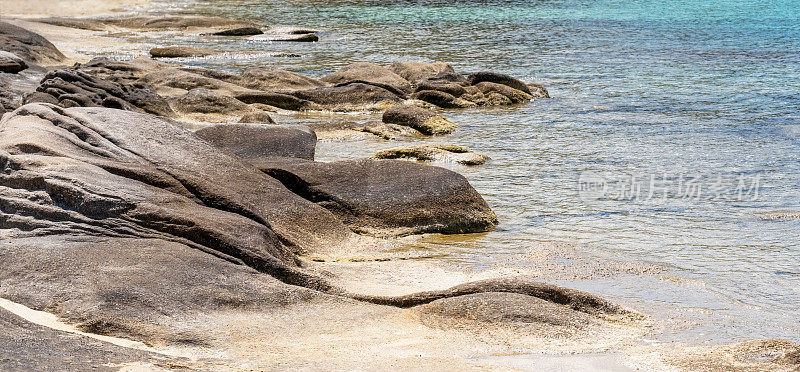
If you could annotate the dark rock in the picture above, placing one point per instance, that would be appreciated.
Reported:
(454, 89)
(494, 77)
(280, 100)
(350, 96)
(10, 63)
(28, 45)
(442, 99)
(538, 91)
(389, 131)
(275, 80)
(448, 77)
(368, 72)
(443, 153)
(242, 31)
(370, 198)
(260, 141)
(181, 51)
(302, 38)
(514, 95)
(423, 120)
(167, 22)
(73, 88)
(257, 117)
(415, 72)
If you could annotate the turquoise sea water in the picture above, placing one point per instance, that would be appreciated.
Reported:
(676, 90)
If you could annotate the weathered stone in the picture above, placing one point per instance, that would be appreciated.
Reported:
(79, 23)
(514, 95)
(275, 80)
(443, 153)
(350, 96)
(442, 99)
(415, 72)
(204, 101)
(259, 141)
(167, 22)
(280, 100)
(390, 131)
(257, 117)
(175, 82)
(368, 72)
(494, 77)
(181, 51)
(370, 198)
(454, 89)
(121, 71)
(28, 45)
(301, 38)
(73, 88)
(538, 91)
(10, 63)
(423, 120)
(241, 31)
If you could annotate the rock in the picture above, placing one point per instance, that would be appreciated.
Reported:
(538, 91)
(370, 198)
(446, 153)
(423, 120)
(257, 117)
(442, 99)
(28, 45)
(280, 100)
(493, 77)
(181, 51)
(10, 63)
(496, 99)
(454, 89)
(204, 101)
(79, 23)
(753, 355)
(71, 88)
(167, 22)
(415, 72)
(307, 38)
(448, 77)
(121, 71)
(368, 72)
(275, 80)
(175, 82)
(390, 131)
(514, 95)
(260, 141)
(353, 96)
(241, 31)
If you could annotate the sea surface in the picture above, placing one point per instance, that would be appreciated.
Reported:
(672, 133)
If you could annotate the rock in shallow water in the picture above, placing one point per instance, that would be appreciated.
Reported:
(446, 153)
(421, 119)
(181, 51)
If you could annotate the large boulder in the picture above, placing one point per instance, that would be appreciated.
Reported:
(415, 72)
(389, 197)
(10, 63)
(276, 80)
(368, 72)
(72, 88)
(442, 99)
(421, 119)
(250, 141)
(493, 77)
(353, 96)
(28, 45)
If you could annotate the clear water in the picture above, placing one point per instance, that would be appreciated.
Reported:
(678, 88)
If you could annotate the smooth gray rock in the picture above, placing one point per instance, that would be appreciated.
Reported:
(250, 141)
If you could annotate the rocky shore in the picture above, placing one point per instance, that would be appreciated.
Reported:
(151, 201)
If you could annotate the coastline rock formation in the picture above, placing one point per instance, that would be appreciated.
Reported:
(28, 45)
(423, 120)
(10, 63)
(445, 153)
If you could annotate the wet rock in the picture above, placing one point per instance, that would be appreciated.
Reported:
(514, 95)
(538, 91)
(10, 63)
(353, 96)
(204, 101)
(275, 80)
(71, 88)
(28, 45)
(494, 77)
(423, 120)
(301, 38)
(257, 117)
(181, 51)
(389, 131)
(454, 89)
(168, 22)
(442, 99)
(279, 100)
(368, 72)
(415, 72)
(250, 141)
(370, 198)
(443, 153)
(241, 31)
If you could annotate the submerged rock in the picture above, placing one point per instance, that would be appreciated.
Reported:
(423, 120)
(181, 51)
(261, 141)
(10, 63)
(389, 197)
(28, 45)
(447, 153)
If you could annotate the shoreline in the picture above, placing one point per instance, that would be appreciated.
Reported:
(74, 46)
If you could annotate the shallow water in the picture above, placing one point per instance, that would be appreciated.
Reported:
(667, 91)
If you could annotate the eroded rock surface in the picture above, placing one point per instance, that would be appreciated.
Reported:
(444, 153)
(28, 45)
(262, 141)
(421, 119)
